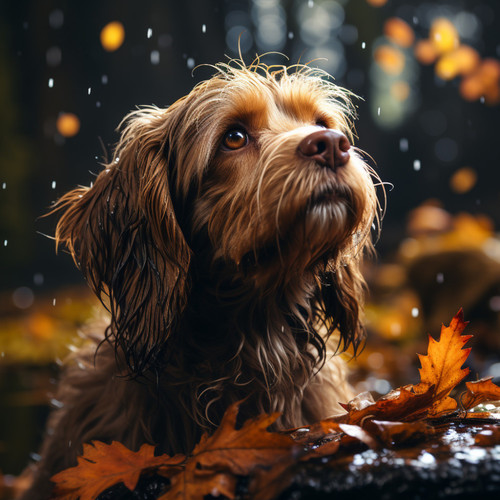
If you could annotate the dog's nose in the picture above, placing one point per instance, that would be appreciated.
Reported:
(329, 148)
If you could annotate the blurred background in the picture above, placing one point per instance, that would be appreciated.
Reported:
(427, 75)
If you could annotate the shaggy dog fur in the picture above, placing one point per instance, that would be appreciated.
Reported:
(225, 239)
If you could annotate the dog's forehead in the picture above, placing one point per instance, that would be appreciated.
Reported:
(258, 100)
(265, 100)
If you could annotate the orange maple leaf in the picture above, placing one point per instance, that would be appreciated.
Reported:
(218, 459)
(442, 366)
(104, 465)
(441, 371)
(478, 392)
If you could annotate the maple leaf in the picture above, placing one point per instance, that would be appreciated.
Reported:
(479, 392)
(400, 404)
(442, 366)
(489, 436)
(230, 452)
(104, 465)
(397, 433)
(441, 371)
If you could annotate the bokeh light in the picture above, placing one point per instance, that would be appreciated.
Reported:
(68, 124)
(377, 3)
(444, 35)
(425, 52)
(112, 36)
(463, 180)
(399, 32)
(390, 59)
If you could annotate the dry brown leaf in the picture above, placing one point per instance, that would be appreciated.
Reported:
(479, 392)
(397, 433)
(230, 452)
(104, 465)
(489, 436)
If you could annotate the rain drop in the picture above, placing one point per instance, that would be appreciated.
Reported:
(104, 79)
(417, 165)
(363, 45)
(403, 145)
(155, 57)
(51, 83)
(190, 63)
(204, 28)
(378, 111)
(415, 312)
(290, 35)
(5, 243)
(4, 185)
(53, 184)
(150, 33)
(440, 277)
(89, 91)
(310, 3)
(54, 302)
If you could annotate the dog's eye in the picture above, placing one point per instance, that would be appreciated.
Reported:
(321, 123)
(235, 139)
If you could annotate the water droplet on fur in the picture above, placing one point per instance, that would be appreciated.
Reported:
(56, 403)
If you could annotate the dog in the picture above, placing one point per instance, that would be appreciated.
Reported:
(225, 238)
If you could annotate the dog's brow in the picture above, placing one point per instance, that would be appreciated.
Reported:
(253, 113)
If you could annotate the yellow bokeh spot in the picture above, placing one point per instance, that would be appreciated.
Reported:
(68, 124)
(377, 3)
(463, 180)
(447, 67)
(112, 36)
(390, 59)
(468, 59)
(399, 32)
(425, 52)
(444, 35)
(400, 91)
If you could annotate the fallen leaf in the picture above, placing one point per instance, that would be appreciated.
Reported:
(399, 405)
(442, 366)
(398, 433)
(230, 452)
(489, 436)
(479, 392)
(103, 465)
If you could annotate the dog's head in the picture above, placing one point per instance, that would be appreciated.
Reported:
(253, 173)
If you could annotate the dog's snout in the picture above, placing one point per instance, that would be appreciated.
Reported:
(328, 148)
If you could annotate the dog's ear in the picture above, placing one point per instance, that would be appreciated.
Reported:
(123, 234)
(340, 297)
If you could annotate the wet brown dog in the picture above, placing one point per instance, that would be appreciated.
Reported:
(225, 238)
